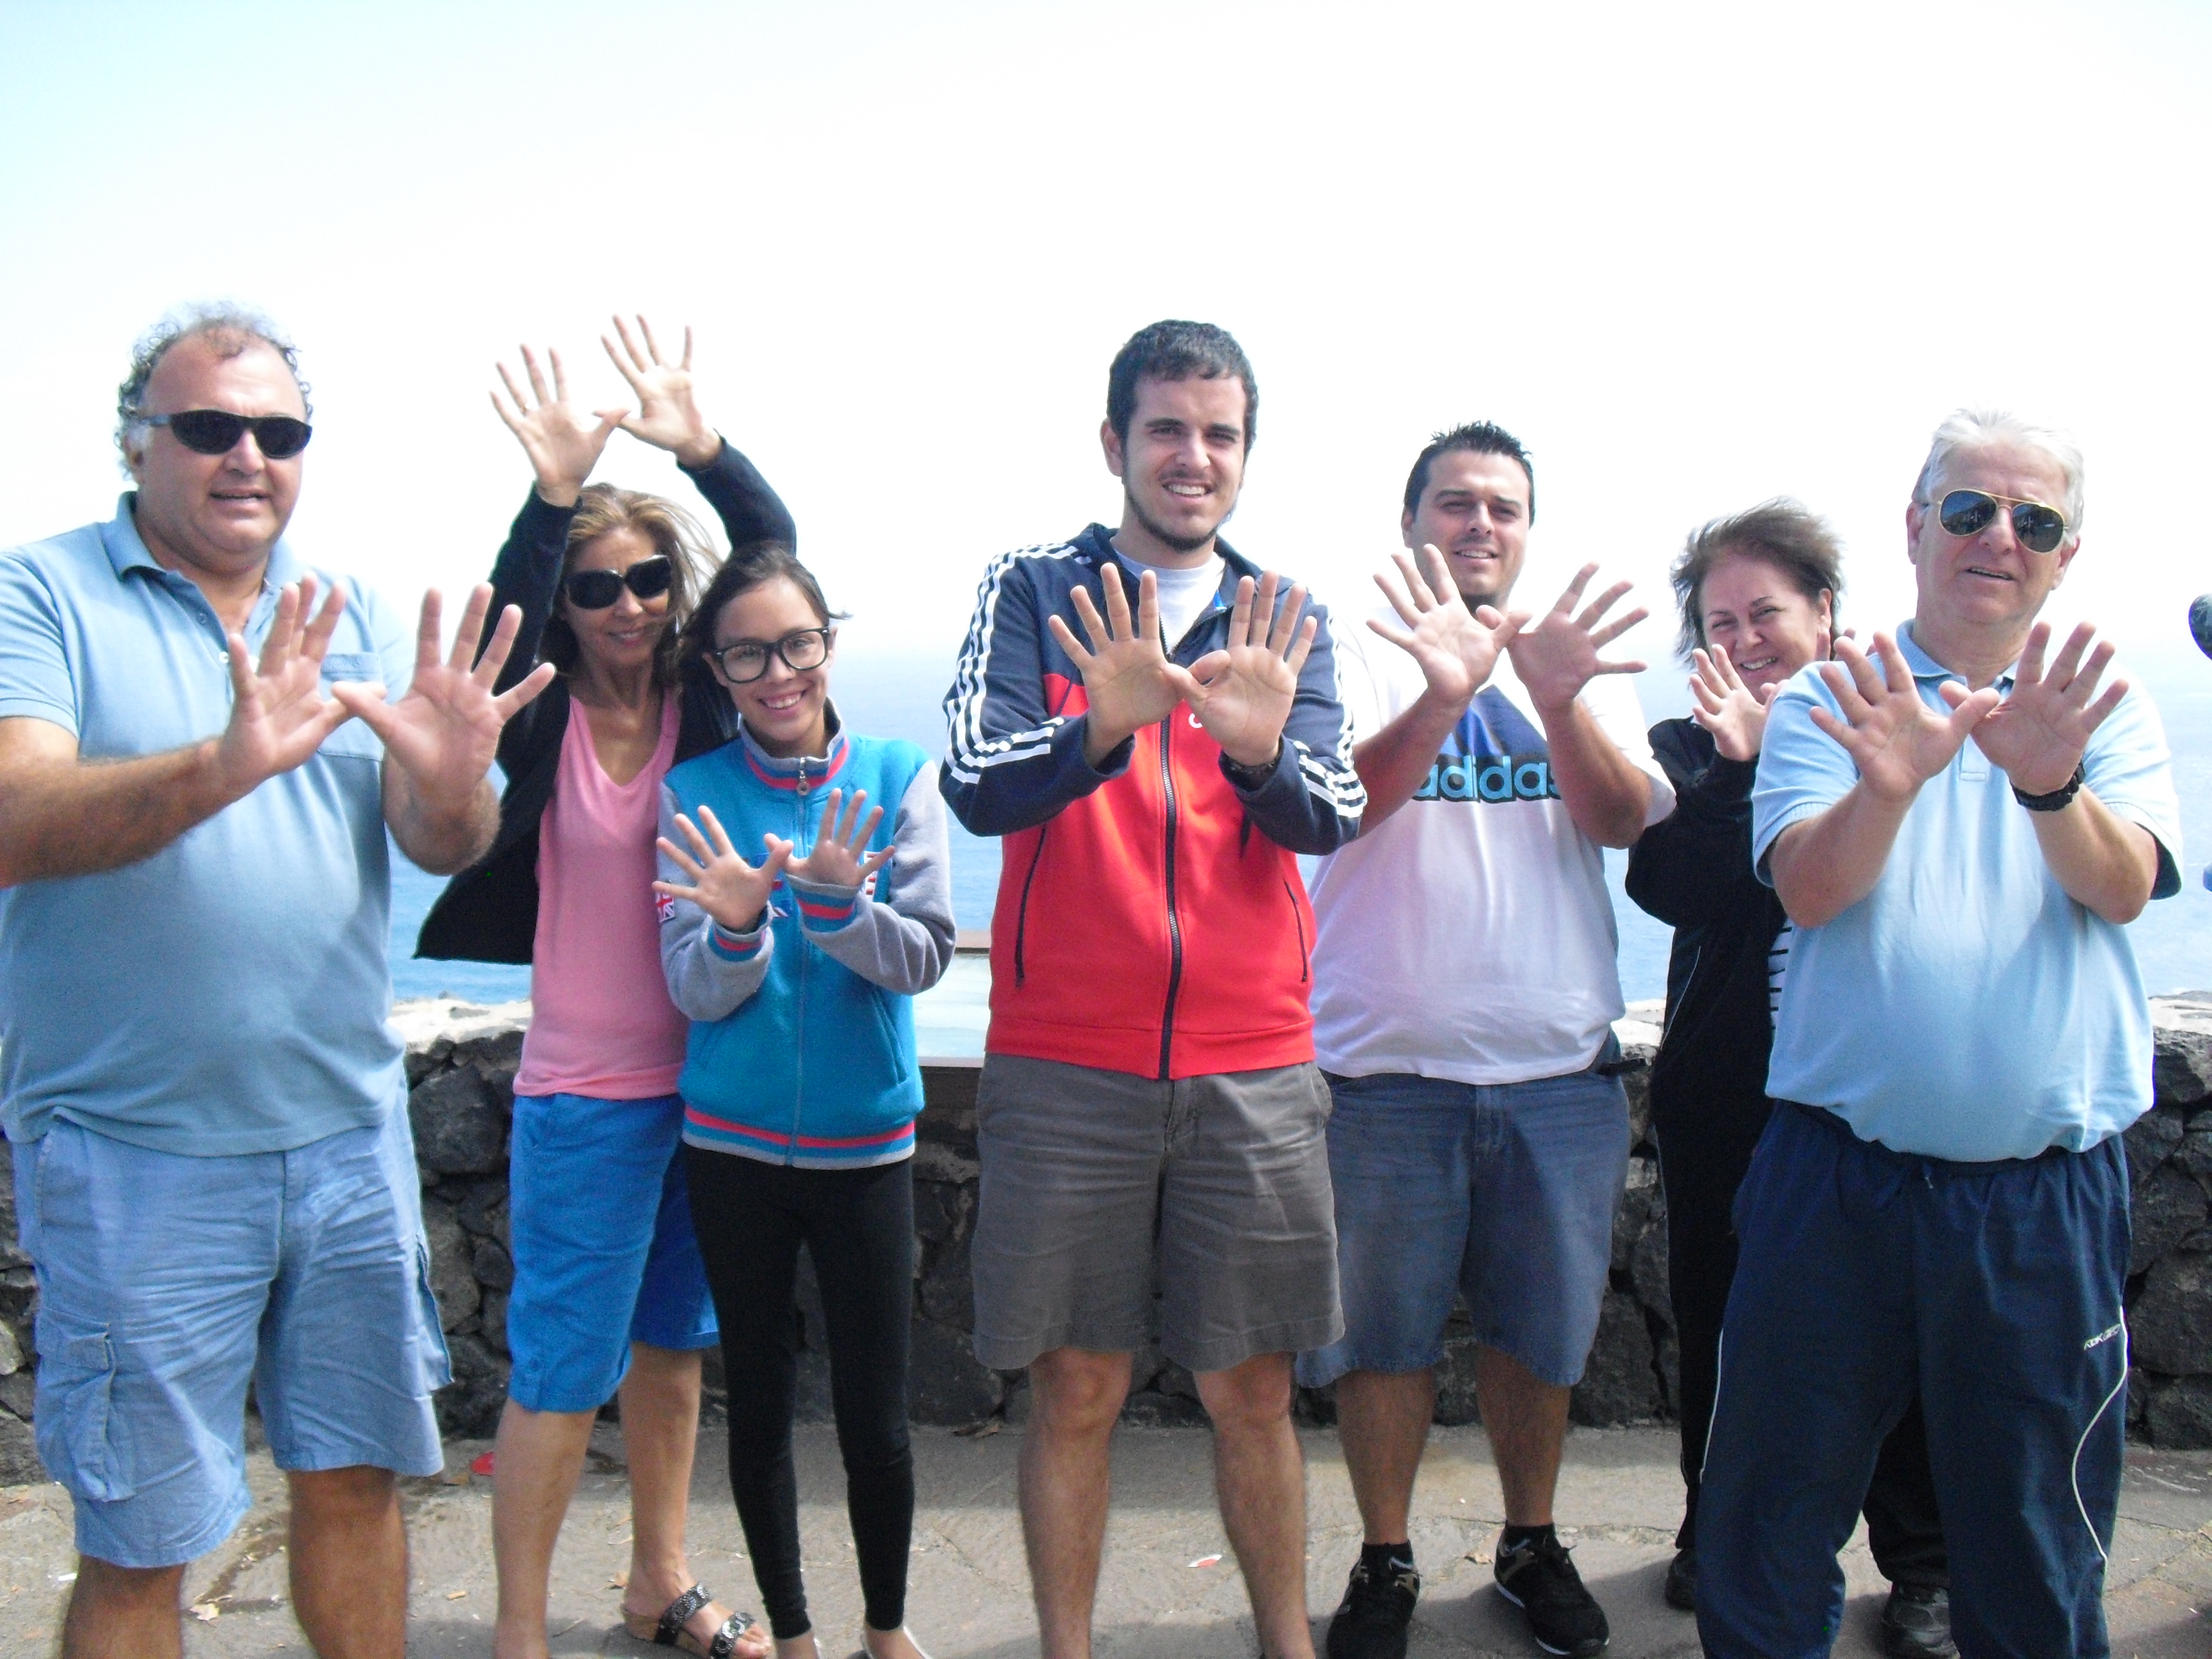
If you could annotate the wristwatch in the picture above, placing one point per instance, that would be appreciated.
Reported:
(2056, 799)
(1248, 778)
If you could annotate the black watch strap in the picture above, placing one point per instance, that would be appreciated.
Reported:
(2056, 799)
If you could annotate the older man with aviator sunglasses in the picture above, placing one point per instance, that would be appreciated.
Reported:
(1959, 823)
(206, 1108)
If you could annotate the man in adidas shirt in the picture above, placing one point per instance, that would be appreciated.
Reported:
(1464, 996)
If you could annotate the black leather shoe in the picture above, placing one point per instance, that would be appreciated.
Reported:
(1539, 1578)
(1915, 1623)
(1682, 1587)
(1372, 1622)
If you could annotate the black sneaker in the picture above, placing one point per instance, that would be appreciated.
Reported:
(1540, 1580)
(1371, 1624)
(1915, 1623)
(1681, 1588)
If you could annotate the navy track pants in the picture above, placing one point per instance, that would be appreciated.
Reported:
(1994, 1288)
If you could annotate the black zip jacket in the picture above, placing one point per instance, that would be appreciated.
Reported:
(1692, 871)
(489, 913)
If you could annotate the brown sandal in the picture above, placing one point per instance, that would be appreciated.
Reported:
(670, 1632)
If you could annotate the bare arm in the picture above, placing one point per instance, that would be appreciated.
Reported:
(1395, 761)
(2104, 863)
(1606, 793)
(67, 816)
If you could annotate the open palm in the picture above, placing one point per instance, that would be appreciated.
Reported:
(2037, 734)
(1456, 649)
(1242, 695)
(668, 416)
(1897, 741)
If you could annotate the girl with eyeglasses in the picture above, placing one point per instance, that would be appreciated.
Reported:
(609, 1291)
(808, 875)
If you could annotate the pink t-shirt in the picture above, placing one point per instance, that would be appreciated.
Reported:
(601, 1023)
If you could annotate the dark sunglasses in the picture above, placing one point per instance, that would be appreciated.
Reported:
(595, 590)
(1966, 512)
(747, 660)
(216, 431)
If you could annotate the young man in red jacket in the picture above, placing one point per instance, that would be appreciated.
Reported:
(1149, 1108)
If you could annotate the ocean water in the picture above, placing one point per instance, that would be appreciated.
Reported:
(2172, 940)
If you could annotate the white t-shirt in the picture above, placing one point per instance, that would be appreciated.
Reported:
(1469, 935)
(1182, 594)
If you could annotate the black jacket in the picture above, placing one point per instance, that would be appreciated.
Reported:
(1692, 871)
(489, 913)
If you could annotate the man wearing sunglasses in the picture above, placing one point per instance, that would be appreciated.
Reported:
(1959, 822)
(206, 1108)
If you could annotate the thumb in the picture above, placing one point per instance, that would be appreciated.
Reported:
(609, 420)
(365, 700)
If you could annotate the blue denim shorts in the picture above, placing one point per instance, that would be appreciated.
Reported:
(166, 1282)
(1504, 1193)
(600, 1218)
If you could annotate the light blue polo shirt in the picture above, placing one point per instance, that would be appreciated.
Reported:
(229, 993)
(1966, 1008)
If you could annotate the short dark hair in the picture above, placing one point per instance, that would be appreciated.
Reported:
(231, 329)
(754, 565)
(1784, 533)
(1479, 437)
(1175, 351)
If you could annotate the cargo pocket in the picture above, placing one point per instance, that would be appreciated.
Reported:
(80, 1440)
(435, 1364)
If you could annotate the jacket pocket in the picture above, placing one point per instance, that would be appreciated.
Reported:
(1022, 913)
(82, 1443)
(1299, 922)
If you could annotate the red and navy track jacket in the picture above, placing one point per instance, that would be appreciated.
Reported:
(1151, 916)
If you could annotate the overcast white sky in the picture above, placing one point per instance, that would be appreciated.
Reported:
(1696, 255)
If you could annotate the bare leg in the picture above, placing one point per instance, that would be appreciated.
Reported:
(1382, 1420)
(535, 1463)
(1526, 1421)
(1075, 1398)
(349, 1551)
(123, 1613)
(1260, 1477)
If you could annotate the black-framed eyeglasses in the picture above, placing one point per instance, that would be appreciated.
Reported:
(216, 431)
(1966, 512)
(747, 660)
(595, 590)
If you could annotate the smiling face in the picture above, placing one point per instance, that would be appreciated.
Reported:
(1181, 468)
(1474, 509)
(1749, 607)
(786, 709)
(621, 638)
(215, 516)
(1986, 585)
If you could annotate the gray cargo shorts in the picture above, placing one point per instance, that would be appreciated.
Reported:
(1098, 1186)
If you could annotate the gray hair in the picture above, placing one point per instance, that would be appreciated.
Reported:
(1980, 428)
(230, 327)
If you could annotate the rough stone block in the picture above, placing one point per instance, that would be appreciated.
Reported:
(493, 1267)
(1647, 1265)
(468, 1405)
(942, 1209)
(1456, 1404)
(2192, 1155)
(453, 1274)
(484, 1212)
(12, 1358)
(1620, 1384)
(948, 1112)
(948, 1288)
(19, 1453)
(2150, 1140)
(495, 1056)
(11, 1253)
(1176, 1379)
(2168, 1208)
(1151, 1410)
(491, 1320)
(946, 1385)
(1634, 1209)
(2170, 1326)
(2179, 1414)
(2181, 1049)
(19, 1393)
(943, 1161)
(460, 1128)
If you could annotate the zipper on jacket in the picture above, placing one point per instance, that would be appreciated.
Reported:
(1298, 922)
(1175, 927)
(1022, 916)
(799, 803)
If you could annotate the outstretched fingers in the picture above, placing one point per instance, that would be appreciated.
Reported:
(1287, 619)
(510, 702)
(1565, 604)
(1302, 647)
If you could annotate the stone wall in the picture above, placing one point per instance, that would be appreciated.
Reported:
(460, 1070)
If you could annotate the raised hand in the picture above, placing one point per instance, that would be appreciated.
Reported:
(1128, 677)
(668, 415)
(1558, 656)
(278, 715)
(562, 441)
(2037, 734)
(1897, 741)
(1456, 648)
(444, 734)
(1242, 696)
(841, 856)
(1726, 706)
(716, 879)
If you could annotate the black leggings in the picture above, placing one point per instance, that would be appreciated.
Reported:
(858, 1226)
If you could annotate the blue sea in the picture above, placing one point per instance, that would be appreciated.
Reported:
(2172, 940)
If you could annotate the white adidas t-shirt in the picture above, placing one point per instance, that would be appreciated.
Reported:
(1469, 935)
(1183, 594)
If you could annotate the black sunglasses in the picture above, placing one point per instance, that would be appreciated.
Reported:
(595, 590)
(1965, 512)
(216, 431)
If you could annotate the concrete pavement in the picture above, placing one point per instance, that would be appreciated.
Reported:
(1169, 1591)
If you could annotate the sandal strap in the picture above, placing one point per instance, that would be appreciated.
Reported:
(677, 1613)
(725, 1639)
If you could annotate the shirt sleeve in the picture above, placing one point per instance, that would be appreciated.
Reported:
(1802, 771)
(900, 935)
(2128, 767)
(36, 680)
(1611, 699)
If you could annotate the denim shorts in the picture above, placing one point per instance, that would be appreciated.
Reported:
(1504, 1193)
(600, 1216)
(167, 1282)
